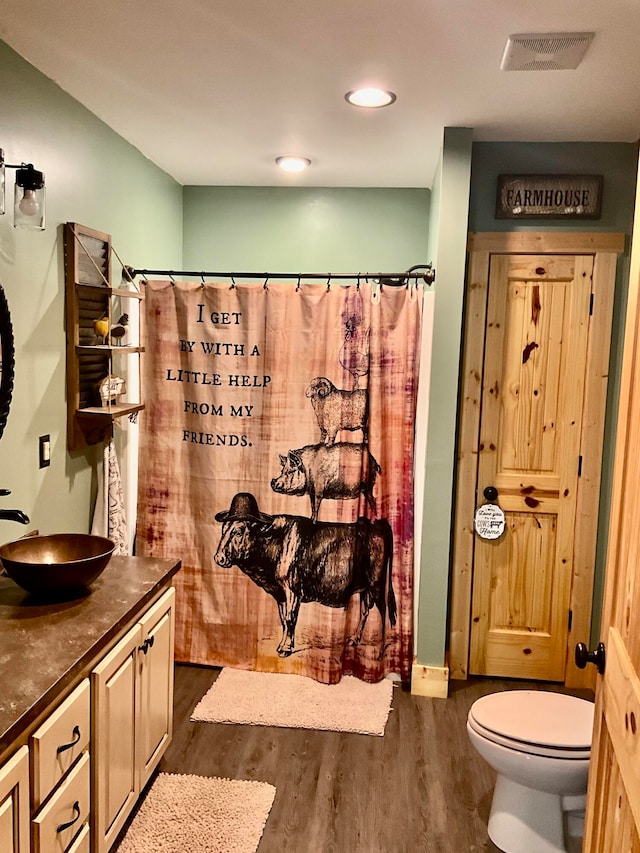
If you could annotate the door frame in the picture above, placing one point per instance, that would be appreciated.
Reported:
(605, 248)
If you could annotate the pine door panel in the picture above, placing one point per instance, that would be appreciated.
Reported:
(613, 807)
(532, 400)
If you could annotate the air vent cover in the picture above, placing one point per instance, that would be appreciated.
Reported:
(545, 51)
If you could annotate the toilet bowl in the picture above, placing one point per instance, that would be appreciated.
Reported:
(539, 744)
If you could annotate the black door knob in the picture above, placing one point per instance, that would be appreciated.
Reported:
(490, 493)
(597, 656)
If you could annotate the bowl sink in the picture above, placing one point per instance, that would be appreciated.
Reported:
(58, 563)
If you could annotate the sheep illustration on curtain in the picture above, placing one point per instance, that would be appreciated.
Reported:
(322, 530)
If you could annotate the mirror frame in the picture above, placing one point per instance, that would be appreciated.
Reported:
(7, 360)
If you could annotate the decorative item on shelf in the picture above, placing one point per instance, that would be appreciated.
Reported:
(29, 195)
(101, 328)
(119, 331)
(111, 389)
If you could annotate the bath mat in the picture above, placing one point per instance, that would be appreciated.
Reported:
(199, 814)
(293, 701)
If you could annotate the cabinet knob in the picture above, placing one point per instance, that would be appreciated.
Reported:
(146, 645)
(597, 656)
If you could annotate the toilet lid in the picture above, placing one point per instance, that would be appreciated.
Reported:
(536, 717)
(529, 748)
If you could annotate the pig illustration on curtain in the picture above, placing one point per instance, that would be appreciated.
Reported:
(336, 472)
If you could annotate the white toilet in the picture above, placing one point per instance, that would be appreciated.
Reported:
(539, 744)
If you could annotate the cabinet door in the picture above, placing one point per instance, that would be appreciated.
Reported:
(113, 687)
(14, 803)
(155, 721)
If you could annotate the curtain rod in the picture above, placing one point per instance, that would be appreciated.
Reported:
(397, 279)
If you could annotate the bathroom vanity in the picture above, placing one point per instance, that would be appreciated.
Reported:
(86, 706)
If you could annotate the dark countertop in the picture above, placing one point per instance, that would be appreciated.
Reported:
(44, 646)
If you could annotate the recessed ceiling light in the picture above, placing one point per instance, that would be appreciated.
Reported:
(370, 97)
(293, 164)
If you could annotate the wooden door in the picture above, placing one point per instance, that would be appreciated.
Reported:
(613, 807)
(530, 432)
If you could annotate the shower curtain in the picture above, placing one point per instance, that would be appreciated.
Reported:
(276, 461)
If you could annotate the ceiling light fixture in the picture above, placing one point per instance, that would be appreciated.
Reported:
(29, 198)
(370, 97)
(293, 164)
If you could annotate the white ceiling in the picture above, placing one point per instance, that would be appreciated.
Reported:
(213, 90)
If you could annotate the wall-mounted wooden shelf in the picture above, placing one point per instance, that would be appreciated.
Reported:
(89, 297)
(106, 348)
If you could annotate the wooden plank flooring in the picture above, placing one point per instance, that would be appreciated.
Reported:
(421, 787)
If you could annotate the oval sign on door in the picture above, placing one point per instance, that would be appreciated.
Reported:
(489, 521)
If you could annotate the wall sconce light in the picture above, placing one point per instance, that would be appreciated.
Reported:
(29, 196)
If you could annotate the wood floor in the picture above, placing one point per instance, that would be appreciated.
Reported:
(421, 787)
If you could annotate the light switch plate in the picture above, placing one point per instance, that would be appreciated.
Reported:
(44, 455)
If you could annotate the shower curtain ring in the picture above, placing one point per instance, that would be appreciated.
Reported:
(358, 283)
(173, 281)
(202, 277)
(233, 283)
(329, 283)
(298, 284)
(264, 286)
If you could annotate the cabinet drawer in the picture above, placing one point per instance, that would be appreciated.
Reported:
(62, 818)
(56, 745)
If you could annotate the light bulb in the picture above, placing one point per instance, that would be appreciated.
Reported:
(293, 164)
(29, 204)
(370, 97)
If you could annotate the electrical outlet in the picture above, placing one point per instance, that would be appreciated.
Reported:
(45, 451)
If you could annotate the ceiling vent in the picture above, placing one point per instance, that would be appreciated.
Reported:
(545, 51)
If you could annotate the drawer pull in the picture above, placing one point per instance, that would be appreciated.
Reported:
(76, 809)
(147, 644)
(72, 743)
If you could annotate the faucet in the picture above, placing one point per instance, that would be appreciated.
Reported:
(12, 514)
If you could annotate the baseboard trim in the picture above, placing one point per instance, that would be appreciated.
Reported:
(430, 681)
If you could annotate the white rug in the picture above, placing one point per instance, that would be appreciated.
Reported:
(199, 814)
(293, 701)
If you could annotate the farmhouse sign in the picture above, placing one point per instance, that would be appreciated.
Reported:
(549, 196)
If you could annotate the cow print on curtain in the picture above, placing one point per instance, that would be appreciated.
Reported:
(277, 462)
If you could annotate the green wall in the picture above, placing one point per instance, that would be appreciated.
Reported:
(93, 177)
(448, 244)
(295, 229)
(617, 162)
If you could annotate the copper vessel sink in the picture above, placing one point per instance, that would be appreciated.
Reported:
(59, 563)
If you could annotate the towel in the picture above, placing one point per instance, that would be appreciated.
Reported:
(109, 517)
